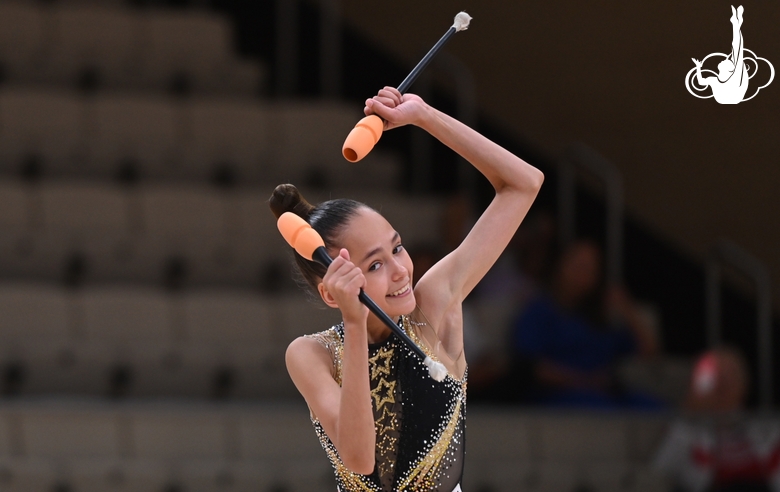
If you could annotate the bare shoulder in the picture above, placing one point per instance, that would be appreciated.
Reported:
(315, 360)
(307, 351)
(314, 373)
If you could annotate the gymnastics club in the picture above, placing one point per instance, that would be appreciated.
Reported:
(366, 133)
(308, 243)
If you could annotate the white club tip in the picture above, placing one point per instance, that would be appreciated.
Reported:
(436, 369)
(462, 21)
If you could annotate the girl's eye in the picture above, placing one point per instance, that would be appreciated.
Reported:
(398, 249)
(374, 266)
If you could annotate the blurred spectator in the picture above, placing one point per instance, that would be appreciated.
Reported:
(569, 341)
(719, 449)
(508, 286)
(521, 269)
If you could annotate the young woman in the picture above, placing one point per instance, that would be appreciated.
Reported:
(383, 422)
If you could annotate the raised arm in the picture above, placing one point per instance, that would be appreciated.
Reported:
(737, 43)
(515, 181)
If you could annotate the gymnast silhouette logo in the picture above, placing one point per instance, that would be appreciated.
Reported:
(730, 84)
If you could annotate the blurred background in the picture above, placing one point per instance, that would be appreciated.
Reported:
(624, 341)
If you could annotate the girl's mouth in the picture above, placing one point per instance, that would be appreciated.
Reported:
(401, 292)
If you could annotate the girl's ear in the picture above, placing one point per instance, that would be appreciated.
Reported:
(326, 297)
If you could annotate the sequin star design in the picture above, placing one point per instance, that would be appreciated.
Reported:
(389, 393)
(384, 367)
(386, 467)
(387, 421)
(386, 445)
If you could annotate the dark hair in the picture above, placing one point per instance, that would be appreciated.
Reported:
(328, 219)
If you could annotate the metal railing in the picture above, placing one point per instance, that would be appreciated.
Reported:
(579, 156)
(726, 252)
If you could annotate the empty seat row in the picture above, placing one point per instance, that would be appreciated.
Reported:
(125, 341)
(170, 431)
(61, 134)
(104, 232)
(216, 448)
(159, 447)
(95, 46)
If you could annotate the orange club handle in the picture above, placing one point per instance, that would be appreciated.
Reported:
(362, 138)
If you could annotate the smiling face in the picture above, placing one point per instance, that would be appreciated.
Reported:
(375, 247)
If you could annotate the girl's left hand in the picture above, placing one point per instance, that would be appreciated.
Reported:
(395, 108)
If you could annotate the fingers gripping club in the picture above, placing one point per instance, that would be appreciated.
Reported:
(367, 132)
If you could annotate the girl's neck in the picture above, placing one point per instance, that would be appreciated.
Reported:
(377, 331)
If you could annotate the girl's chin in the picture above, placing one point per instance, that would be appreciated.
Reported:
(396, 306)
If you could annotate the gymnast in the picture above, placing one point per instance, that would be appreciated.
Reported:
(383, 422)
(731, 84)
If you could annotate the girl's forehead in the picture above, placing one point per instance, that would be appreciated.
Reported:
(367, 229)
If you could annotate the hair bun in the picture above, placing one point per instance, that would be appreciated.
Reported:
(287, 198)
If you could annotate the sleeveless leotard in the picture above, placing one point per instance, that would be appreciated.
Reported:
(420, 423)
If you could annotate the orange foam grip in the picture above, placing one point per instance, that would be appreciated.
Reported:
(308, 240)
(299, 234)
(362, 138)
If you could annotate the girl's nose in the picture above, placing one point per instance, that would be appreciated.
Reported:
(399, 270)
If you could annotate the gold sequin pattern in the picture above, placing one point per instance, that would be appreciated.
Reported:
(434, 461)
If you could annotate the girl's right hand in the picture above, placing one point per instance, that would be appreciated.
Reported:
(343, 281)
(396, 109)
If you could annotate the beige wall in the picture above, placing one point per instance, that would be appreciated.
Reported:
(611, 74)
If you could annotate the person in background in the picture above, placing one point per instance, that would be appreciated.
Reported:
(717, 448)
(514, 280)
(571, 337)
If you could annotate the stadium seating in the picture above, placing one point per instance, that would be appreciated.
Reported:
(148, 446)
(62, 135)
(121, 340)
(106, 47)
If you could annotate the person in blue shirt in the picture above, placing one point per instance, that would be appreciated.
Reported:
(565, 338)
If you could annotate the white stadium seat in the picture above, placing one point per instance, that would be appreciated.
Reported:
(233, 133)
(36, 330)
(169, 435)
(286, 426)
(21, 39)
(56, 432)
(228, 331)
(143, 131)
(44, 125)
(14, 206)
(135, 329)
(21, 475)
(84, 208)
(191, 42)
(98, 38)
(308, 139)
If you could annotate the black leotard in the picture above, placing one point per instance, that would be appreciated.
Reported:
(420, 423)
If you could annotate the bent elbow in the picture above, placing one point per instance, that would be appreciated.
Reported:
(362, 464)
(538, 180)
(533, 182)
